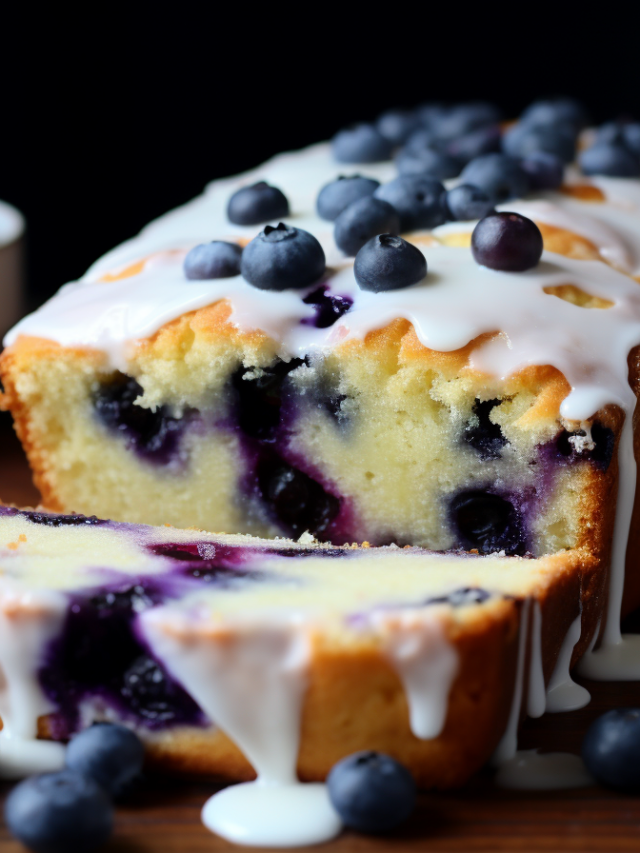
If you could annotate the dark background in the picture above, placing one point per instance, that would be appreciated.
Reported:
(109, 118)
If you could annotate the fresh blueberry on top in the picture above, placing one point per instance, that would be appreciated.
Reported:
(483, 140)
(256, 204)
(465, 202)
(555, 110)
(631, 137)
(622, 133)
(544, 170)
(610, 159)
(463, 118)
(213, 260)
(362, 143)
(524, 139)
(361, 221)
(59, 813)
(417, 198)
(333, 198)
(611, 749)
(499, 175)
(422, 138)
(110, 754)
(430, 112)
(427, 161)
(371, 792)
(397, 125)
(281, 258)
(387, 262)
(507, 241)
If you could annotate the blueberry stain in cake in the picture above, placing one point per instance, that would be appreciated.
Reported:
(329, 307)
(485, 436)
(49, 519)
(98, 645)
(154, 435)
(487, 523)
(598, 447)
(256, 204)
(258, 398)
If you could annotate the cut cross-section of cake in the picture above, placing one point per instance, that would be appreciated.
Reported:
(231, 655)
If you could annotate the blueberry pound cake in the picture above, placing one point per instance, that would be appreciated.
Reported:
(229, 654)
(424, 332)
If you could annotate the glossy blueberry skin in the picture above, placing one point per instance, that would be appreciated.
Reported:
(555, 110)
(483, 140)
(609, 159)
(397, 125)
(64, 812)
(217, 259)
(387, 262)
(110, 754)
(507, 241)
(371, 792)
(362, 143)
(487, 522)
(417, 198)
(465, 202)
(283, 257)
(335, 197)
(361, 221)
(611, 749)
(499, 175)
(544, 170)
(427, 161)
(257, 204)
(524, 139)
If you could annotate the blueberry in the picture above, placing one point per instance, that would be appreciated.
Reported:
(49, 519)
(483, 140)
(371, 792)
(112, 755)
(213, 260)
(59, 813)
(555, 110)
(524, 139)
(362, 143)
(499, 175)
(427, 161)
(259, 398)
(297, 501)
(422, 138)
(397, 125)
(631, 137)
(609, 159)
(430, 113)
(485, 437)
(465, 202)
(611, 749)
(487, 523)
(507, 241)
(544, 170)
(335, 197)
(622, 133)
(609, 132)
(329, 306)
(417, 198)
(283, 257)
(387, 262)
(361, 221)
(463, 118)
(256, 204)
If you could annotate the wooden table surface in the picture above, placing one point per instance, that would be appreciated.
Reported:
(163, 817)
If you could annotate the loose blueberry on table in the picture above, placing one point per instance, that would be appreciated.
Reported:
(387, 262)
(507, 241)
(110, 754)
(371, 792)
(283, 257)
(611, 749)
(257, 204)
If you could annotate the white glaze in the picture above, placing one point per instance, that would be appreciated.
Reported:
(536, 694)
(530, 770)
(416, 644)
(28, 621)
(508, 745)
(563, 694)
(251, 680)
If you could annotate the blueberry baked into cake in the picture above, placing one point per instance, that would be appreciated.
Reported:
(416, 344)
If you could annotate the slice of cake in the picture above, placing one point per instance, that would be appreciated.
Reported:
(267, 383)
(230, 655)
